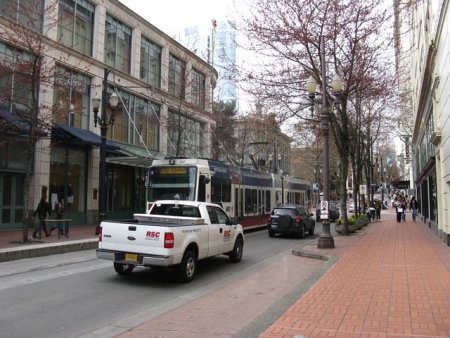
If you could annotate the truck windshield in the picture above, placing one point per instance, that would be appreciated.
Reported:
(172, 183)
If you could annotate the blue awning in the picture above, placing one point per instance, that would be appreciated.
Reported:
(81, 136)
(15, 122)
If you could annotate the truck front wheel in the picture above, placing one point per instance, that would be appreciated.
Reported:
(236, 254)
(186, 270)
(123, 269)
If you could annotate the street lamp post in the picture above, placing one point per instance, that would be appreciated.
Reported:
(326, 238)
(104, 121)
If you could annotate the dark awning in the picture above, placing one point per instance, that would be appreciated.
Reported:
(79, 136)
(16, 124)
(133, 156)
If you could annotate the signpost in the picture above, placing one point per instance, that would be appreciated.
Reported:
(324, 210)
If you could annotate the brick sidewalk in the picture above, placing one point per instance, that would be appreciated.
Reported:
(391, 280)
(395, 282)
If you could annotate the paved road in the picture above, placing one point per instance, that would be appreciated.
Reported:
(75, 294)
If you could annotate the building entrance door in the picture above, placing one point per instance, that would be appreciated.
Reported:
(11, 200)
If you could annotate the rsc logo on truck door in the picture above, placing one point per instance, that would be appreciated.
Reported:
(227, 235)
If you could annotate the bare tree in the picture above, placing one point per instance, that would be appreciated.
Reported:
(288, 34)
(186, 108)
(26, 73)
(224, 139)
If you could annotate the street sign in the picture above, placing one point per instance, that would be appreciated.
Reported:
(324, 210)
(363, 189)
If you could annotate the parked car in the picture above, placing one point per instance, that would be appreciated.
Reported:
(291, 220)
(333, 211)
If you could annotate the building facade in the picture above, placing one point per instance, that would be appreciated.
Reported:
(215, 41)
(428, 28)
(261, 144)
(165, 105)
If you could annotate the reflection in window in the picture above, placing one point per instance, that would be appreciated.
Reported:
(71, 98)
(76, 25)
(16, 95)
(198, 88)
(176, 76)
(136, 121)
(28, 13)
(184, 136)
(117, 44)
(150, 62)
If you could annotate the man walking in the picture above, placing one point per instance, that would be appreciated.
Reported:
(43, 211)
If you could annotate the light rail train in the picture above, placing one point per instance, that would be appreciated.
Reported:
(245, 193)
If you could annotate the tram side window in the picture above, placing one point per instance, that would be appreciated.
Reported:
(268, 207)
(226, 192)
(220, 191)
(254, 201)
(248, 200)
(215, 190)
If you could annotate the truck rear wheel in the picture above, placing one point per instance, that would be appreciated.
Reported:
(123, 269)
(236, 254)
(186, 270)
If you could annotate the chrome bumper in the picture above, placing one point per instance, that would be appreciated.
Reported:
(144, 260)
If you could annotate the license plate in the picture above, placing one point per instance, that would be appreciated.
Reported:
(131, 257)
(274, 226)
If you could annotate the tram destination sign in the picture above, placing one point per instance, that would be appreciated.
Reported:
(173, 171)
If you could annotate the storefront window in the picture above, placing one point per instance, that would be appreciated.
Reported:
(71, 98)
(68, 178)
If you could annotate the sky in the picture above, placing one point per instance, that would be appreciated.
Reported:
(172, 15)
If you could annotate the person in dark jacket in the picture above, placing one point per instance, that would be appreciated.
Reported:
(43, 211)
(400, 206)
(414, 205)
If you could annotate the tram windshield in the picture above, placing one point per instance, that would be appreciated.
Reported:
(167, 183)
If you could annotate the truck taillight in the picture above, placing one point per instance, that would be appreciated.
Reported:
(298, 218)
(169, 240)
(100, 234)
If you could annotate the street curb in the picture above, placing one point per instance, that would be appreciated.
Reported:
(37, 250)
(308, 254)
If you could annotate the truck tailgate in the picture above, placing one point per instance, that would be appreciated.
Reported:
(133, 237)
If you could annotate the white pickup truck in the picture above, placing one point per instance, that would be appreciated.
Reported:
(173, 234)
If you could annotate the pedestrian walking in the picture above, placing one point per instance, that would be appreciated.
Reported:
(43, 211)
(378, 209)
(413, 206)
(400, 207)
(59, 210)
(405, 206)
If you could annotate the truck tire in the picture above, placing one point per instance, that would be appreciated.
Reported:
(236, 254)
(271, 233)
(123, 269)
(187, 267)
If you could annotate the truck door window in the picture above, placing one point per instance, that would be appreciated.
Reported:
(212, 215)
(222, 216)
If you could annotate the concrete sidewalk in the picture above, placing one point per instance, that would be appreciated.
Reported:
(81, 237)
